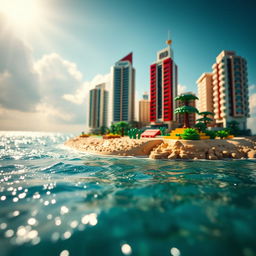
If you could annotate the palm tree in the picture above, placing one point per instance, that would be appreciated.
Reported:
(205, 119)
(121, 126)
(186, 109)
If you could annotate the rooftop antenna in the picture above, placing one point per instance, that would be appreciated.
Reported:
(169, 41)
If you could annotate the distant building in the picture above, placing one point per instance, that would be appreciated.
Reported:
(144, 107)
(205, 92)
(163, 88)
(123, 89)
(230, 89)
(205, 95)
(191, 116)
(98, 106)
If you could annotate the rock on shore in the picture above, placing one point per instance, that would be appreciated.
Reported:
(238, 148)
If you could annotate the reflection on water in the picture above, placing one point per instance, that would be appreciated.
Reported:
(55, 201)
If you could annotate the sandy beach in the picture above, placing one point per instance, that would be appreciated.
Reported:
(158, 148)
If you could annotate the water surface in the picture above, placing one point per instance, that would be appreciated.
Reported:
(56, 201)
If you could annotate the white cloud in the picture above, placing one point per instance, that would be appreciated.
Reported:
(252, 102)
(252, 88)
(18, 80)
(80, 95)
(34, 90)
(58, 77)
(181, 88)
(13, 120)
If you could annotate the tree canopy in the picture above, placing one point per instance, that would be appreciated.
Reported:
(185, 109)
(206, 113)
(186, 97)
(204, 119)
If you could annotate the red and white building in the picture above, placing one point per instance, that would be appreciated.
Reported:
(163, 88)
(225, 91)
(230, 89)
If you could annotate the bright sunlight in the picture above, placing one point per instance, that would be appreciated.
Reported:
(22, 14)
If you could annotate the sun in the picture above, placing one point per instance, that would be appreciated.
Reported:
(22, 14)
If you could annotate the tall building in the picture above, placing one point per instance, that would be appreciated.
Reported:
(98, 105)
(123, 75)
(163, 87)
(230, 89)
(191, 116)
(205, 95)
(205, 92)
(144, 107)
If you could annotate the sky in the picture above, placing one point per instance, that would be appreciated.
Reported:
(53, 51)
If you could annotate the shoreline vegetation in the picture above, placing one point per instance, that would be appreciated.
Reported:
(160, 148)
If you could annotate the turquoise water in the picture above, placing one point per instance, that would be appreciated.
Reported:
(56, 201)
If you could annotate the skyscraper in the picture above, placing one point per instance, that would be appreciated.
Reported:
(123, 75)
(98, 106)
(163, 87)
(230, 89)
(144, 107)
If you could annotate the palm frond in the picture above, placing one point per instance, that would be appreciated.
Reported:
(185, 109)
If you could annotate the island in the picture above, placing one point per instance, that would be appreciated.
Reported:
(161, 148)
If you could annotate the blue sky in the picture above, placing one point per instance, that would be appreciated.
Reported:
(107, 30)
(83, 39)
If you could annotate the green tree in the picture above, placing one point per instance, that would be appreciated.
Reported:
(121, 127)
(201, 126)
(233, 128)
(112, 129)
(205, 119)
(186, 109)
(103, 130)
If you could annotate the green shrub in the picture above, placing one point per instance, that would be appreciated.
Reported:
(201, 126)
(212, 134)
(163, 131)
(222, 134)
(134, 133)
(190, 134)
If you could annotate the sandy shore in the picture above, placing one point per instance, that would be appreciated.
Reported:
(158, 148)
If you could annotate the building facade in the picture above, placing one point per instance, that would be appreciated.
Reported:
(205, 93)
(163, 88)
(230, 89)
(144, 108)
(123, 89)
(98, 106)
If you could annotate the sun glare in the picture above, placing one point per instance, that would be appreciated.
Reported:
(23, 14)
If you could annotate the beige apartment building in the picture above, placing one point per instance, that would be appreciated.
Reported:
(144, 108)
(205, 92)
(229, 89)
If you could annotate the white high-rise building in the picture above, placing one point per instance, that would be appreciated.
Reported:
(123, 90)
(98, 105)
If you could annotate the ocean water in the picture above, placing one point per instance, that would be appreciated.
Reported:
(57, 201)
